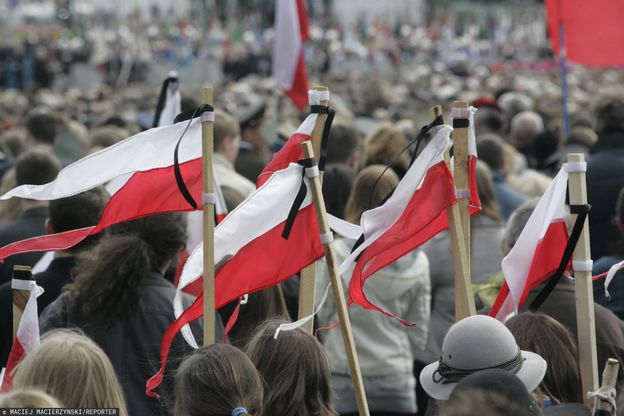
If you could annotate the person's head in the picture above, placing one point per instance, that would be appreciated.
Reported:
(513, 103)
(476, 343)
(382, 146)
(109, 282)
(28, 399)
(525, 127)
(78, 211)
(344, 146)
(609, 112)
(545, 336)
(214, 381)
(516, 223)
(582, 136)
(544, 147)
(337, 184)
(294, 370)
(490, 120)
(36, 167)
(485, 186)
(363, 197)
(490, 151)
(41, 129)
(103, 137)
(478, 402)
(72, 368)
(226, 135)
(231, 197)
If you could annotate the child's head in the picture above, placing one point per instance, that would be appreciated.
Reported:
(72, 368)
(217, 380)
(294, 370)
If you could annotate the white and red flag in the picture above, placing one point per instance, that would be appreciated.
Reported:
(250, 252)
(291, 31)
(538, 251)
(27, 335)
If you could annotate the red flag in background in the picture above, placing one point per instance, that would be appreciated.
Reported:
(593, 30)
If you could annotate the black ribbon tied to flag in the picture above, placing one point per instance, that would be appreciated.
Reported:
(162, 99)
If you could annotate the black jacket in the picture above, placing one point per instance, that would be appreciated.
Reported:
(605, 178)
(51, 280)
(133, 343)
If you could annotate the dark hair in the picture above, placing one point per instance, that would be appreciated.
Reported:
(478, 402)
(609, 111)
(231, 197)
(294, 370)
(343, 141)
(109, 283)
(36, 167)
(545, 336)
(492, 119)
(214, 380)
(42, 127)
(490, 151)
(78, 211)
(262, 305)
(337, 183)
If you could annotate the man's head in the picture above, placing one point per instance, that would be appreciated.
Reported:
(41, 130)
(490, 150)
(490, 120)
(36, 167)
(525, 126)
(516, 224)
(609, 113)
(226, 135)
(78, 211)
(344, 146)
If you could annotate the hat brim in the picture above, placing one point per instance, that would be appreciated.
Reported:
(531, 374)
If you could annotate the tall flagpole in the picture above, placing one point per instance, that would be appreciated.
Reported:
(563, 65)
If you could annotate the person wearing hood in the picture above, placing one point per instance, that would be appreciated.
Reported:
(384, 346)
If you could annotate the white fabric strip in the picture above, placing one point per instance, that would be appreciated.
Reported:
(461, 113)
(2, 376)
(207, 117)
(572, 167)
(582, 265)
(298, 324)
(327, 238)
(208, 199)
(315, 97)
(344, 228)
(610, 275)
(21, 284)
(312, 172)
(462, 193)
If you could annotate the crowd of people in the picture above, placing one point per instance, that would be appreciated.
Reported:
(108, 300)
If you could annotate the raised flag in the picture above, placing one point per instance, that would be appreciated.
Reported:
(169, 101)
(250, 252)
(27, 335)
(291, 31)
(538, 251)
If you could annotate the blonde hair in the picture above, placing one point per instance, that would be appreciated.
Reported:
(382, 146)
(363, 197)
(485, 185)
(28, 399)
(224, 126)
(74, 369)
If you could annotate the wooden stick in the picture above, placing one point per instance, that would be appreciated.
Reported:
(464, 302)
(336, 283)
(460, 175)
(209, 224)
(20, 296)
(307, 281)
(609, 379)
(586, 325)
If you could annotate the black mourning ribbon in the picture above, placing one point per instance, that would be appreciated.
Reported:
(582, 211)
(323, 109)
(301, 194)
(438, 121)
(189, 115)
(445, 374)
(162, 98)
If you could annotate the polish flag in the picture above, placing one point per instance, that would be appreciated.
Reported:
(139, 172)
(474, 203)
(250, 252)
(27, 336)
(291, 31)
(414, 213)
(538, 250)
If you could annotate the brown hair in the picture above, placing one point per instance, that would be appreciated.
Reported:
(382, 146)
(294, 370)
(28, 399)
(478, 402)
(214, 380)
(361, 197)
(36, 167)
(485, 186)
(72, 368)
(224, 126)
(545, 336)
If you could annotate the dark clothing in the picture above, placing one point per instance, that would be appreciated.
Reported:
(51, 280)
(605, 178)
(250, 163)
(133, 343)
(507, 198)
(616, 288)
(30, 223)
(561, 305)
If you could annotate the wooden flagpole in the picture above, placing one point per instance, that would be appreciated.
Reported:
(609, 380)
(307, 281)
(20, 296)
(208, 220)
(460, 175)
(464, 302)
(585, 321)
(336, 283)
